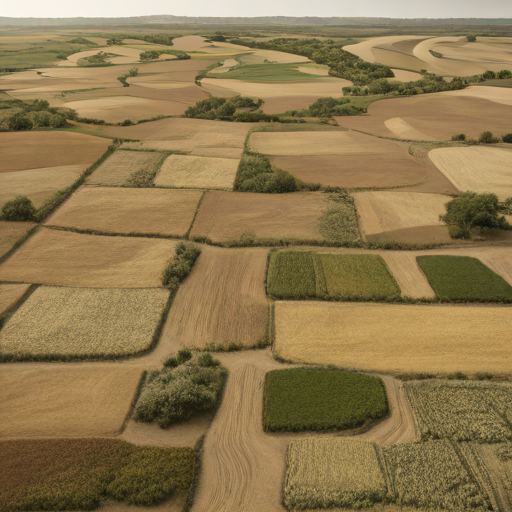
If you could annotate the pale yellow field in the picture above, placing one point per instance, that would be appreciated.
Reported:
(501, 95)
(71, 400)
(197, 172)
(478, 169)
(364, 49)
(70, 259)
(10, 293)
(395, 338)
(385, 211)
(38, 184)
(403, 130)
(121, 165)
(129, 210)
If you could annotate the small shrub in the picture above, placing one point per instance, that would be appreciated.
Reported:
(19, 122)
(507, 138)
(180, 266)
(471, 38)
(18, 209)
(206, 360)
(459, 137)
(487, 138)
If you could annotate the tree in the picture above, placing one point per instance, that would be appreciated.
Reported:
(507, 138)
(471, 210)
(487, 138)
(471, 39)
(20, 121)
(18, 209)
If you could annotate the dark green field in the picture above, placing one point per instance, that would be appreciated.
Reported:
(307, 399)
(267, 73)
(291, 275)
(462, 278)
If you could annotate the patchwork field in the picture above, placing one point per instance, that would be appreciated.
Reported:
(225, 284)
(478, 169)
(78, 322)
(452, 338)
(11, 232)
(228, 216)
(123, 165)
(129, 210)
(197, 172)
(10, 293)
(70, 259)
(63, 400)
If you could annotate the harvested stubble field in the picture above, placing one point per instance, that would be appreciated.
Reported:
(302, 275)
(35, 150)
(462, 278)
(461, 410)
(11, 232)
(380, 212)
(197, 172)
(315, 399)
(65, 400)
(478, 169)
(80, 474)
(129, 210)
(228, 216)
(119, 167)
(10, 293)
(451, 338)
(70, 259)
(328, 473)
(222, 302)
(82, 322)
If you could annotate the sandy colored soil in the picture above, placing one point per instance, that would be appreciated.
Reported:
(129, 210)
(227, 66)
(438, 116)
(314, 70)
(405, 76)
(35, 150)
(403, 130)
(70, 259)
(175, 504)
(226, 216)
(410, 278)
(223, 301)
(415, 235)
(479, 169)
(38, 184)
(197, 172)
(387, 211)
(451, 338)
(10, 293)
(501, 95)
(65, 401)
(364, 49)
(219, 148)
(497, 470)
(11, 232)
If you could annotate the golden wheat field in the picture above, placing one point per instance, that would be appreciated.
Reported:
(65, 400)
(11, 232)
(395, 338)
(478, 169)
(84, 321)
(71, 259)
(180, 171)
(222, 302)
(120, 166)
(10, 293)
(129, 210)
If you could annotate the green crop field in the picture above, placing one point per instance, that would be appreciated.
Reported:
(302, 275)
(314, 399)
(462, 278)
(267, 73)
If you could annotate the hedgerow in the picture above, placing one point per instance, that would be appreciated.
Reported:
(180, 265)
(238, 108)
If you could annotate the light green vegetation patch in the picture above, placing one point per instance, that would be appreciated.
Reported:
(267, 73)
(338, 222)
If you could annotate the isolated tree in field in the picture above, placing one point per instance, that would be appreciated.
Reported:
(487, 138)
(471, 39)
(471, 210)
(19, 209)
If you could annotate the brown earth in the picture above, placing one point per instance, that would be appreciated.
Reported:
(129, 210)
(71, 259)
(222, 302)
(415, 235)
(226, 216)
(10, 293)
(11, 232)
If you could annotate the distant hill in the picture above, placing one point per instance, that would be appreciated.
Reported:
(279, 20)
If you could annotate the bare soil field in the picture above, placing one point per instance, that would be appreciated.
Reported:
(11, 232)
(70, 259)
(405, 76)
(501, 95)
(38, 184)
(35, 150)
(65, 400)
(415, 235)
(438, 116)
(10, 293)
(386, 211)
(479, 169)
(222, 302)
(226, 216)
(129, 210)
(364, 49)
(451, 338)
(197, 172)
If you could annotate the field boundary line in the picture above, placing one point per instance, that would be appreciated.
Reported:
(7, 313)
(187, 234)
(29, 234)
(98, 232)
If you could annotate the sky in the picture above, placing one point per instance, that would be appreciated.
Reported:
(321, 8)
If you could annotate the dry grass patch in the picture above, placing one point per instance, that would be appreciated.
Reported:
(70, 259)
(227, 216)
(478, 169)
(10, 293)
(83, 322)
(222, 302)
(65, 400)
(119, 167)
(386, 211)
(11, 232)
(197, 172)
(129, 210)
(451, 338)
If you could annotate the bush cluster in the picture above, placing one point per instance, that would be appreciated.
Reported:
(18, 209)
(238, 108)
(163, 39)
(155, 54)
(484, 138)
(180, 265)
(100, 59)
(122, 78)
(25, 115)
(188, 386)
